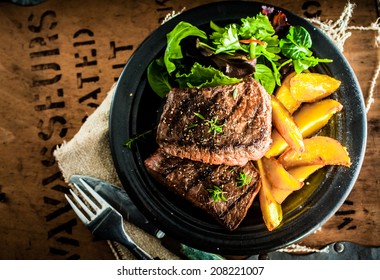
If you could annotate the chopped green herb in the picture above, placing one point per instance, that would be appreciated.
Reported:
(212, 123)
(131, 141)
(243, 180)
(234, 94)
(214, 127)
(217, 194)
(200, 116)
(191, 125)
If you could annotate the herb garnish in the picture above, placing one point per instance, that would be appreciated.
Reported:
(235, 93)
(243, 180)
(212, 123)
(217, 194)
(131, 141)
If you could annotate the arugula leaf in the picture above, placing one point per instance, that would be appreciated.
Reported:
(158, 77)
(201, 76)
(303, 64)
(173, 50)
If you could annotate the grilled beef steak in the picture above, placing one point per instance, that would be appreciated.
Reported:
(228, 124)
(213, 188)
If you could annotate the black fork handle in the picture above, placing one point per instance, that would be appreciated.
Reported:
(118, 234)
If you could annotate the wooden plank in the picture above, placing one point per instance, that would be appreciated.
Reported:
(57, 62)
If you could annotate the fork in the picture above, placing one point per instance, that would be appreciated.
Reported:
(103, 220)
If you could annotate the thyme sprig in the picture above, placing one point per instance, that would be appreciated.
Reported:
(212, 123)
(243, 180)
(128, 144)
(217, 194)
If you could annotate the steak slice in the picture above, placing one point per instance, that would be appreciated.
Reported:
(242, 111)
(193, 180)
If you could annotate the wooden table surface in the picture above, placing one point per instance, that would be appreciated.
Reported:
(57, 61)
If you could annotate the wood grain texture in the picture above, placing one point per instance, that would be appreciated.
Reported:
(58, 60)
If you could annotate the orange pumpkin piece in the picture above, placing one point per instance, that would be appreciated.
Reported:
(310, 118)
(310, 87)
(270, 208)
(319, 150)
(301, 174)
(285, 97)
(279, 177)
(278, 145)
(285, 125)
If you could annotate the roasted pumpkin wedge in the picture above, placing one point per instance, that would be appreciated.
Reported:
(285, 125)
(319, 150)
(279, 177)
(270, 208)
(310, 118)
(301, 174)
(280, 194)
(310, 87)
(285, 97)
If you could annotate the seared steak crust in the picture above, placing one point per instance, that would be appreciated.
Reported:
(243, 111)
(194, 179)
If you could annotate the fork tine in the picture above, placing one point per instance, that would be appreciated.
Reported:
(79, 213)
(81, 203)
(86, 197)
(101, 201)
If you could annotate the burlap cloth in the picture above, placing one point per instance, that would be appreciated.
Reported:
(88, 153)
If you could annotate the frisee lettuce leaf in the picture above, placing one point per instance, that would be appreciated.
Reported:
(226, 40)
(258, 27)
(201, 76)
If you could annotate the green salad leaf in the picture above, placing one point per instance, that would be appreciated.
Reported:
(158, 77)
(297, 43)
(296, 46)
(225, 40)
(265, 76)
(173, 50)
(201, 76)
(216, 57)
(258, 27)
